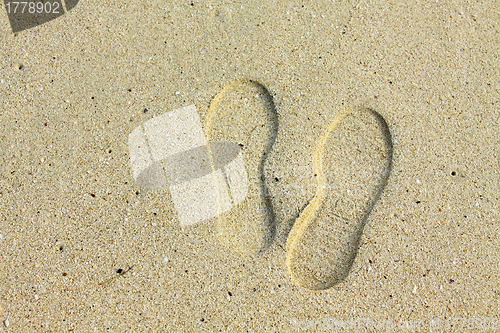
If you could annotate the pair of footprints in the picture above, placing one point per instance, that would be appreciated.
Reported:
(352, 162)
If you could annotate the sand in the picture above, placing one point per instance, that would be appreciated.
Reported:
(86, 249)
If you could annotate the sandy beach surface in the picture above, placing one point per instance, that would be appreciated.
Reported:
(84, 248)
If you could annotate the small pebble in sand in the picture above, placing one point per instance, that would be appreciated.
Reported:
(6, 322)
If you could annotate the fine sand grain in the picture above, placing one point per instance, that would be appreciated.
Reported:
(85, 248)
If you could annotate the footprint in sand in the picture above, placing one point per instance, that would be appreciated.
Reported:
(244, 113)
(352, 162)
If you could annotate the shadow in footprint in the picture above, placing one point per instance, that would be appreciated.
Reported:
(285, 227)
(353, 160)
(244, 113)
